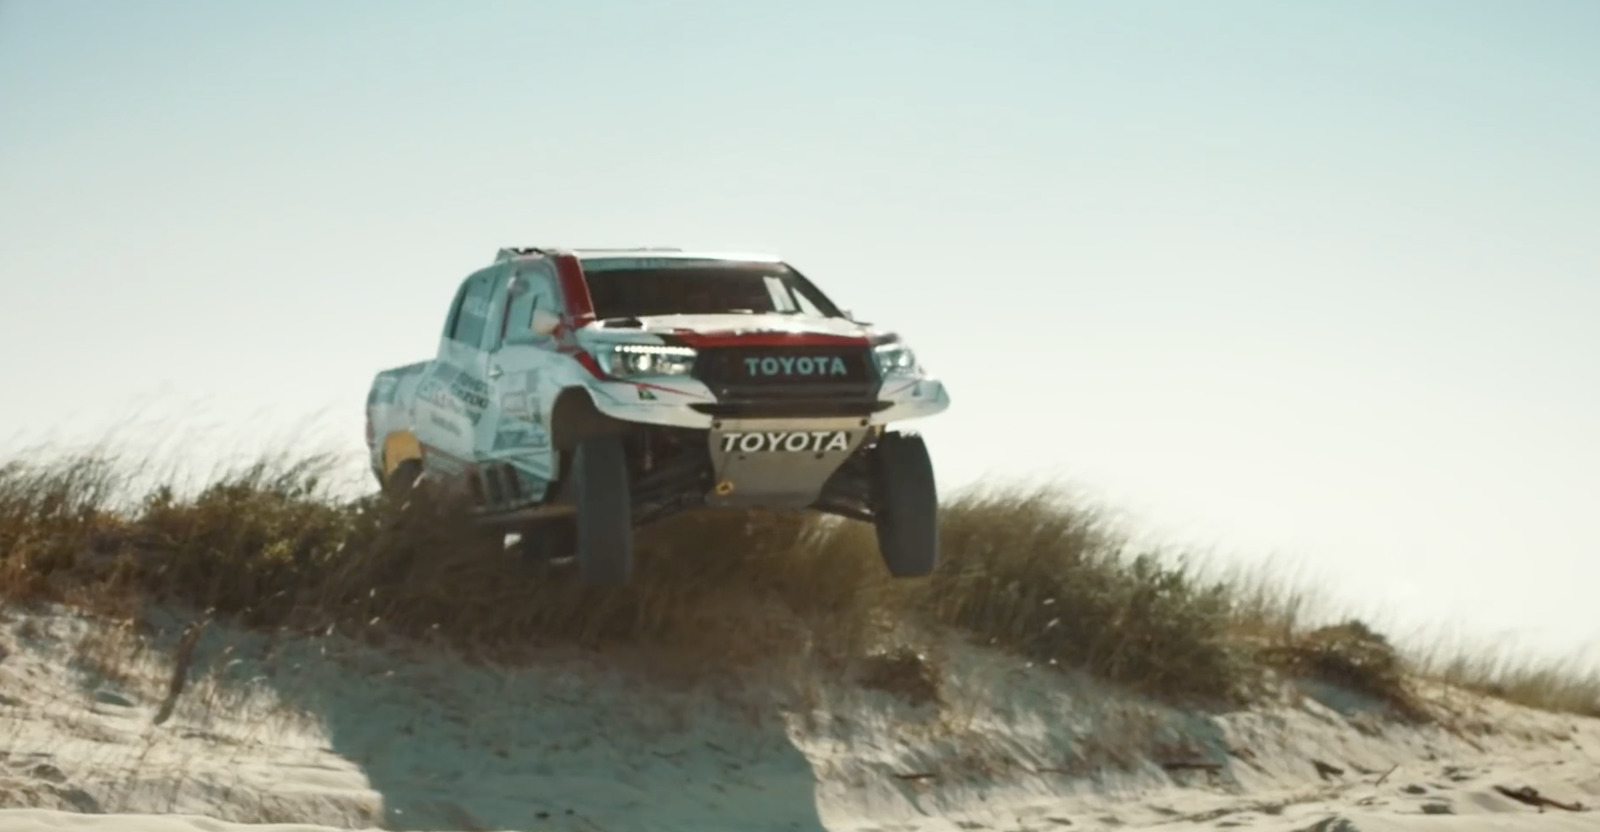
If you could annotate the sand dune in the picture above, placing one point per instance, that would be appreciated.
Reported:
(296, 735)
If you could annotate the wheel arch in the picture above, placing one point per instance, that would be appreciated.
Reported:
(574, 418)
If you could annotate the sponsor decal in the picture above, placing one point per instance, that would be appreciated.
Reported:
(444, 424)
(434, 393)
(472, 392)
(456, 392)
(785, 441)
(796, 366)
(515, 405)
(527, 438)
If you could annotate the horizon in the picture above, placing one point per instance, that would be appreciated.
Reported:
(1310, 282)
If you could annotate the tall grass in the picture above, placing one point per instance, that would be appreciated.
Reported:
(1035, 574)
(1554, 684)
(270, 544)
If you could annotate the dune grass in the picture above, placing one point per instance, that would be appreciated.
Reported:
(270, 544)
(1550, 684)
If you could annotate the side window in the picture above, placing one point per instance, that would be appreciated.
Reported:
(537, 291)
(474, 314)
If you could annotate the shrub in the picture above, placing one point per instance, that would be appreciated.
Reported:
(1351, 655)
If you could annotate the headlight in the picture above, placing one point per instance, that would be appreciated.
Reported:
(624, 360)
(897, 361)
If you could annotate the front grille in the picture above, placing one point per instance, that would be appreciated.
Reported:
(775, 366)
(798, 378)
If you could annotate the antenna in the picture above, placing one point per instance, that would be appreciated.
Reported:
(514, 252)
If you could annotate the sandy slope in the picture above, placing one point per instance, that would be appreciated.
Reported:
(321, 734)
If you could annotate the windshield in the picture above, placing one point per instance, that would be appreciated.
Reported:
(632, 288)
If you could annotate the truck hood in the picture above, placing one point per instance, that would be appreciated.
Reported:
(735, 329)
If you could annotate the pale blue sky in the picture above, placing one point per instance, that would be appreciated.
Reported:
(1310, 279)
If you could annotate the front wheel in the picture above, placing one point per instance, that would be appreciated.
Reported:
(605, 511)
(905, 505)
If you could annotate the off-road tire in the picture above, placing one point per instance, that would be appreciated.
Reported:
(905, 505)
(403, 479)
(412, 496)
(422, 505)
(605, 511)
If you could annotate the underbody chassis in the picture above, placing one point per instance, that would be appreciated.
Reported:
(844, 467)
(674, 470)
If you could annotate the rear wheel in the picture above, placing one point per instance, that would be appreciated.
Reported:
(403, 479)
(410, 492)
(604, 525)
(905, 505)
(425, 508)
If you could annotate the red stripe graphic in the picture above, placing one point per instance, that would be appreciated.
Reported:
(701, 340)
(574, 291)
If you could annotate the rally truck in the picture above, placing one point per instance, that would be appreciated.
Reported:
(580, 394)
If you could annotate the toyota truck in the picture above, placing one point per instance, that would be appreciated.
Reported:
(578, 395)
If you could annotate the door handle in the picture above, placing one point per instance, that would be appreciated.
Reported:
(494, 371)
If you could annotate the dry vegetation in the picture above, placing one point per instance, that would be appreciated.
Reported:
(270, 545)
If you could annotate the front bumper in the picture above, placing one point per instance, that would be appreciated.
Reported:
(687, 403)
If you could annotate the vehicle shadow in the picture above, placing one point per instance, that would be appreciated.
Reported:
(561, 742)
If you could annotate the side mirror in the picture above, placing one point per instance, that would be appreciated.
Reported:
(848, 315)
(545, 322)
